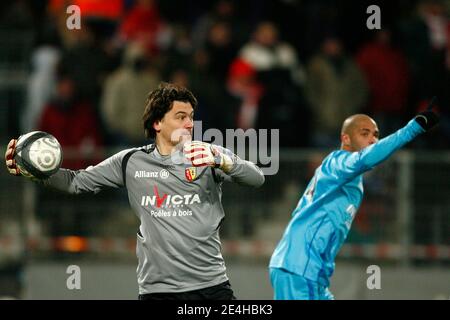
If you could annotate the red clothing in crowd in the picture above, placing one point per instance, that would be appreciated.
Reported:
(110, 9)
(386, 72)
(77, 131)
(142, 23)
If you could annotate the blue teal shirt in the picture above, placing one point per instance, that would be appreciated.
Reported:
(322, 219)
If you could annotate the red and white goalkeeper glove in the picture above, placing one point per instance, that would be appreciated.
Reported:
(9, 158)
(205, 154)
(11, 164)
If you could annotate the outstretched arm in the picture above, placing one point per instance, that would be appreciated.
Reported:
(106, 174)
(351, 164)
(93, 179)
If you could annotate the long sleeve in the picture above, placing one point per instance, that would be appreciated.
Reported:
(247, 173)
(107, 174)
(351, 164)
(243, 172)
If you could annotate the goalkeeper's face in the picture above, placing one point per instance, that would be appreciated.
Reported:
(177, 124)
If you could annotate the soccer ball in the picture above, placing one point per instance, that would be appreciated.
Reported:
(38, 155)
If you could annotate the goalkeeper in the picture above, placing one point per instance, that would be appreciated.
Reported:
(303, 261)
(174, 187)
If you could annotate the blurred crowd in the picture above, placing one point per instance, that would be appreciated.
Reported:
(298, 66)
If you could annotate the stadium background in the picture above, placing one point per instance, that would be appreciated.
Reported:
(87, 87)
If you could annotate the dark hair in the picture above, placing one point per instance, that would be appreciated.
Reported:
(160, 101)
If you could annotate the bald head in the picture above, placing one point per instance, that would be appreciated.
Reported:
(358, 131)
(354, 121)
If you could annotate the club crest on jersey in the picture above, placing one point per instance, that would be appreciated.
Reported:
(190, 173)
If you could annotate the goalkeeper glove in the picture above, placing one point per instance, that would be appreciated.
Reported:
(205, 154)
(9, 159)
(428, 119)
(11, 164)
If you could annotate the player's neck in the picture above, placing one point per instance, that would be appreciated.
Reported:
(346, 148)
(164, 148)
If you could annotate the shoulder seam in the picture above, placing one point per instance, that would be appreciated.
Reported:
(127, 156)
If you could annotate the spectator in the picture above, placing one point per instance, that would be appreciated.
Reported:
(124, 92)
(87, 63)
(266, 52)
(41, 83)
(281, 76)
(425, 40)
(386, 72)
(335, 89)
(144, 24)
(243, 85)
(221, 50)
(178, 54)
(73, 122)
(224, 11)
(216, 107)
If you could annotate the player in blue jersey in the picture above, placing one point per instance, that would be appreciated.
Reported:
(303, 261)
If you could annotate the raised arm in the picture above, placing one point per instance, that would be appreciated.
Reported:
(349, 164)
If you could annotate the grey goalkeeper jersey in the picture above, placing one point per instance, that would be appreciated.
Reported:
(180, 211)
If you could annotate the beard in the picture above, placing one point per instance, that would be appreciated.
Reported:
(181, 136)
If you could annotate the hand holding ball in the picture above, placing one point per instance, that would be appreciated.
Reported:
(37, 155)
